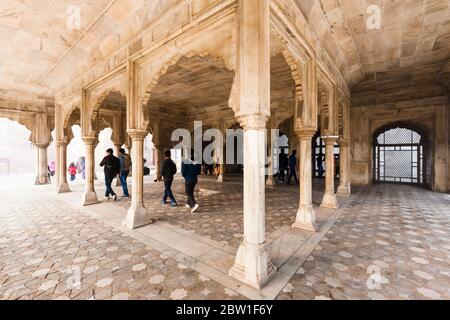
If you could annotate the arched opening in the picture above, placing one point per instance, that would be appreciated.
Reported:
(17, 150)
(399, 155)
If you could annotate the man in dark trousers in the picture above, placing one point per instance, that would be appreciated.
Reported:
(168, 171)
(125, 166)
(190, 170)
(111, 167)
(283, 165)
(293, 167)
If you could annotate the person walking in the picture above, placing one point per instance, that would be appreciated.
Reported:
(125, 166)
(283, 165)
(319, 161)
(111, 167)
(72, 171)
(190, 170)
(168, 171)
(293, 167)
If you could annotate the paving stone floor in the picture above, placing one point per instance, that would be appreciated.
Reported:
(391, 242)
(220, 216)
(46, 248)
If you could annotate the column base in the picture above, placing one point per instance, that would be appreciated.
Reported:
(344, 190)
(137, 217)
(271, 182)
(306, 219)
(253, 265)
(329, 201)
(63, 188)
(41, 182)
(89, 198)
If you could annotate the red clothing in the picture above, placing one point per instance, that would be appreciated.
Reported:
(72, 170)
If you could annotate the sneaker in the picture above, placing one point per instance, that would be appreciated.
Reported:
(125, 196)
(173, 204)
(195, 208)
(187, 206)
(115, 197)
(163, 202)
(106, 198)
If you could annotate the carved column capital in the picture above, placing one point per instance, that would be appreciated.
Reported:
(330, 139)
(137, 134)
(41, 145)
(64, 142)
(88, 140)
(305, 133)
(253, 121)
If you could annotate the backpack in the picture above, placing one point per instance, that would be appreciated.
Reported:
(173, 168)
(126, 162)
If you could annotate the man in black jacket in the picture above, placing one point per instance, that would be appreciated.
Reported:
(111, 167)
(168, 170)
(283, 165)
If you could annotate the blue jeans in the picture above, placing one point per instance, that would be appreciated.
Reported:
(109, 190)
(123, 182)
(168, 190)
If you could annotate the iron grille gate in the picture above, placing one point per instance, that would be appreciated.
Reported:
(399, 157)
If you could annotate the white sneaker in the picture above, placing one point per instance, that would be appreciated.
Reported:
(188, 206)
(107, 198)
(195, 208)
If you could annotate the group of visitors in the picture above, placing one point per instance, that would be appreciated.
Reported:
(116, 167)
(121, 166)
(289, 165)
(190, 170)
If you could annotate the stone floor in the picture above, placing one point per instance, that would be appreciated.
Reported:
(47, 249)
(389, 242)
(220, 216)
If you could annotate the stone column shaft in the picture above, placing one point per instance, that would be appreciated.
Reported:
(41, 164)
(306, 216)
(253, 264)
(118, 147)
(329, 198)
(344, 188)
(271, 180)
(61, 167)
(158, 163)
(89, 195)
(137, 214)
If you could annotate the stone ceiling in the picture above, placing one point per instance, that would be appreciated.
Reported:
(405, 58)
(34, 36)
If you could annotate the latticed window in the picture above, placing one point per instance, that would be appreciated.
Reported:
(399, 156)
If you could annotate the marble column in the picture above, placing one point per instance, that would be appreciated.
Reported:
(118, 147)
(253, 264)
(61, 167)
(306, 217)
(137, 214)
(158, 164)
(89, 196)
(344, 189)
(41, 164)
(271, 180)
(329, 198)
